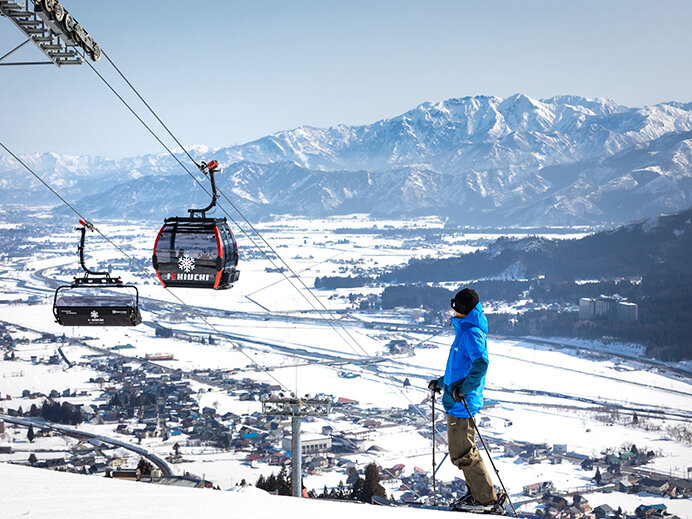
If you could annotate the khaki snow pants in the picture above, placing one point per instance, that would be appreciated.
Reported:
(461, 437)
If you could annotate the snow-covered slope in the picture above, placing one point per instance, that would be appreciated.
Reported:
(473, 133)
(634, 184)
(31, 492)
(566, 159)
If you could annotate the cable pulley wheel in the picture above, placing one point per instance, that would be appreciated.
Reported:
(95, 52)
(48, 5)
(58, 13)
(88, 43)
(69, 23)
(79, 33)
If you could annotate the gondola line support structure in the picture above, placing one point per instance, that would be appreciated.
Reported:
(296, 408)
(54, 31)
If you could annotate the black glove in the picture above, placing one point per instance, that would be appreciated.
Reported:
(458, 394)
(434, 386)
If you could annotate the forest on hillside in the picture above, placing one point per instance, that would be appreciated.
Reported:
(646, 262)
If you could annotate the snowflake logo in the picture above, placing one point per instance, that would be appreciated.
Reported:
(94, 314)
(186, 264)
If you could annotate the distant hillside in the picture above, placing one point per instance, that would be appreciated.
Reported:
(660, 244)
(654, 254)
(478, 160)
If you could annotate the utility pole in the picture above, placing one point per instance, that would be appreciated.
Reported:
(296, 408)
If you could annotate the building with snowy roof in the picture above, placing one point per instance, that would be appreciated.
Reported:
(309, 443)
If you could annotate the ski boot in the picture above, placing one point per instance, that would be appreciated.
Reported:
(469, 504)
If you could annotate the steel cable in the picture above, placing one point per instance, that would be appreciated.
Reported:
(254, 229)
(136, 263)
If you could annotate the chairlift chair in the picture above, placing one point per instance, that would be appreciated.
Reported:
(196, 251)
(96, 298)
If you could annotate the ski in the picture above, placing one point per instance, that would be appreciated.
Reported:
(501, 509)
(381, 501)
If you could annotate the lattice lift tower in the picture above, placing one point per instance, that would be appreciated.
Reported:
(54, 31)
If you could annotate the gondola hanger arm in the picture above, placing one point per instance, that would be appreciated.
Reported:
(208, 169)
(84, 226)
(87, 224)
(211, 167)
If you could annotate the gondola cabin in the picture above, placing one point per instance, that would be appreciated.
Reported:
(96, 298)
(196, 253)
(107, 305)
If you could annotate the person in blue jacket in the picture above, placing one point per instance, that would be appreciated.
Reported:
(464, 378)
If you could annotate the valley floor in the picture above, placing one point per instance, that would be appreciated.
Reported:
(583, 400)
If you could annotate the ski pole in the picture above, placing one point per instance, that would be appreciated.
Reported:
(497, 472)
(434, 465)
(440, 464)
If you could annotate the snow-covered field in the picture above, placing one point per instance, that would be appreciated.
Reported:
(269, 330)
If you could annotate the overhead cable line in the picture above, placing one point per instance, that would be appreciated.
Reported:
(149, 107)
(129, 107)
(227, 199)
(254, 229)
(330, 322)
(136, 263)
(132, 259)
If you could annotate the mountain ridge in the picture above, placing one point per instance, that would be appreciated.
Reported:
(481, 159)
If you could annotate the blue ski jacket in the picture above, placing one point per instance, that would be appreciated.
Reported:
(467, 364)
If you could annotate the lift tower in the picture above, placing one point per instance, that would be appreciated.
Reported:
(54, 31)
(296, 408)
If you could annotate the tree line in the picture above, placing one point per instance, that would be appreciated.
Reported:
(357, 488)
(64, 413)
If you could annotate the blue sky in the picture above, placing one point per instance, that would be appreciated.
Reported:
(226, 72)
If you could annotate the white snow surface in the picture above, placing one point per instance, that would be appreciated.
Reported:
(72, 496)
(567, 383)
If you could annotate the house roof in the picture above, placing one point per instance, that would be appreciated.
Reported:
(651, 482)
(659, 506)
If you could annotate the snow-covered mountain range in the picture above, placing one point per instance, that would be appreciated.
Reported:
(482, 160)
